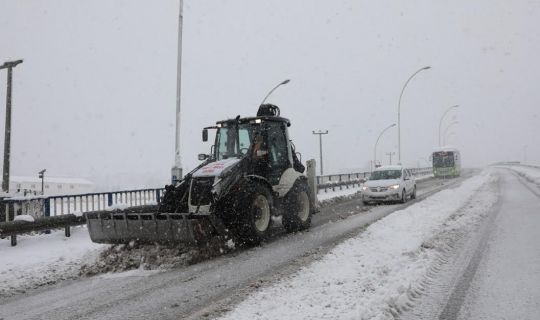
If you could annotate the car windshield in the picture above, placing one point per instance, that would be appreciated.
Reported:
(385, 174)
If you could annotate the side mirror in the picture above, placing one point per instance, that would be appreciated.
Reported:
(202, 156)
(204, 136)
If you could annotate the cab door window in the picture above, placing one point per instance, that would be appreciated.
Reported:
(277, 145)
(278, 152)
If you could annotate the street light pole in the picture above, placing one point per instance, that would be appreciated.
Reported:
(42, 177)
(375, 148)
(446, 130)
(389, 154)
(446, 137)
(176, 171)
(442, 118)
(320, 133)
(399, 108)
(7, 138)
(273, 89)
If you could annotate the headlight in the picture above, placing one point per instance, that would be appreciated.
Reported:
(394, 187)
(364, 188)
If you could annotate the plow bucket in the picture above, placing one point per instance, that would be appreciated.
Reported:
(124, 227)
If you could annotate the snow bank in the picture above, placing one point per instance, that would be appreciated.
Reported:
(378, 273)
(324, 196)
(24, 217)
(44, 259)
(532, 174)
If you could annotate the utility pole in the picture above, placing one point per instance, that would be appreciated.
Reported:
(42, 177)
(389, 154)
(176, 171)
(7, 138)
(320, 133)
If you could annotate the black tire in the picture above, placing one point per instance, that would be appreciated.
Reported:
(403, 196)
(413, 196)
(297, 210)
(255, 214)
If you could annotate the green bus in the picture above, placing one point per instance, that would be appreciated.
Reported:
(446, 162)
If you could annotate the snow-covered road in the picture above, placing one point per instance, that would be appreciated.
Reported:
(493, 271)
(506, 284)
(380, 272)
(205, 288)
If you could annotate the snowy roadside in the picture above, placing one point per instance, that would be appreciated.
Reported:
(380, 272)
(530, 173)
(44, 259)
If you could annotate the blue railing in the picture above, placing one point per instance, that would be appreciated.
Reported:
(39, 206)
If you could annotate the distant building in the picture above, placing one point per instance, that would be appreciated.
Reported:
(52, 186)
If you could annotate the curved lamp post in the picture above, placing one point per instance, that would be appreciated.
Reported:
(269, 93)
(399, 107)
(442, 118)
(446, 130)
(377, 142)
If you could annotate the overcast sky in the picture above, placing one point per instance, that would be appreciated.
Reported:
(95, 96)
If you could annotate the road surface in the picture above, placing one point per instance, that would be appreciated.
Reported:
(494, 273)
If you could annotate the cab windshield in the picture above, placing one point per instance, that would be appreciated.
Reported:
(385, 175)
(233, 141)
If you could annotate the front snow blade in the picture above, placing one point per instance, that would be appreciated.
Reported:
(122, 227)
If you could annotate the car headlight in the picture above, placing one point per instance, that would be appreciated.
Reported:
(394, 187)
(364, 188)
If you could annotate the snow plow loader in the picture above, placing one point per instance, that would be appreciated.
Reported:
(251, 174)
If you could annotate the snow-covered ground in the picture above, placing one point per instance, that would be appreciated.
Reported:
(324, 196)
(532, 174)
(43, 259)
(379, 272)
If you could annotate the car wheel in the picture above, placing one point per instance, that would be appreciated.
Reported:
(403, 196)
(413, 196)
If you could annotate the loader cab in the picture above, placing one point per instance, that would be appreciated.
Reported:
(263, 140)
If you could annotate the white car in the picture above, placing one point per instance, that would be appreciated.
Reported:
(389, 183)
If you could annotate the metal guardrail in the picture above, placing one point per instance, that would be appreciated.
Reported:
(48, 206)
(43, 207)
(340, 181)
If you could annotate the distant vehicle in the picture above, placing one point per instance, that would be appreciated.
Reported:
(389, 183)
(446, 162)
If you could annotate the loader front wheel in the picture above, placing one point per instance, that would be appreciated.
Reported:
(256, 215)
(297, 212)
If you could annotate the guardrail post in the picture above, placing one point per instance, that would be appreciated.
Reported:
(109, 200)
(13, 240)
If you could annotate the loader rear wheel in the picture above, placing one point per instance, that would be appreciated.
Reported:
(297, 210)
(256, 215)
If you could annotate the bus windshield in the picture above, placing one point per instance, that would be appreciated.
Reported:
(385, 175)
(443, 159)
